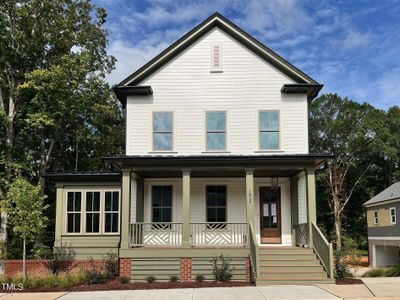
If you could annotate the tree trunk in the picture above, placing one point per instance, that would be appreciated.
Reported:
(338, 223)
(24, 259)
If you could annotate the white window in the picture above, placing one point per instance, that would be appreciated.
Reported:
(111, 212)
(216, 57)
(74, 207)
(269, 130)
(92, 212)
(216, 130)
(376, 220)
(393, 217)
(162, 131)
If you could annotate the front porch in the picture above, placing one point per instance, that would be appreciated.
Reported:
(218, 204)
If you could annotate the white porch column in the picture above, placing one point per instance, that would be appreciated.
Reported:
(250, 195)
(125, 208)
(186, 208)
(311, 203)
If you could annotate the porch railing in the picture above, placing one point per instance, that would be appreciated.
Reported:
(155, 234)
(254, 257)
(323, 249)
(218, 234)
(301, 234)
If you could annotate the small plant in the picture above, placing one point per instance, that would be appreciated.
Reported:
(384, 272)
(124, 279)
(174, 278)
(150, 279)
(199, 278)
(94, 274)
(222, 268)
(60, 260)
(341, 269)
(49, 280)
(111, 264)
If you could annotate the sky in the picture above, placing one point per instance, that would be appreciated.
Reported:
(350, 46)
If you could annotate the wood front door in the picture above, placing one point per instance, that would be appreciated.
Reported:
(270, 215)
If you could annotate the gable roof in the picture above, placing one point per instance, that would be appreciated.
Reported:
(217, 20)
(391, 193)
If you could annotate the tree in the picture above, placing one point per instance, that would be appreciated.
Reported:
(348, 130)
(52, 67)
(24, 206)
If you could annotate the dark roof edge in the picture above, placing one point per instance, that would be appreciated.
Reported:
(154, 64)
(380, 202)
(311, 90)
(123, 91)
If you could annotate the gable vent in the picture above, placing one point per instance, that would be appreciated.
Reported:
(216, 58)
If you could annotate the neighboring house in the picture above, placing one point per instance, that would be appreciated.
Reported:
(384, 227)
(217, 162)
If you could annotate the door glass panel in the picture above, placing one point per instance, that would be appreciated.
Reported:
(269, 209)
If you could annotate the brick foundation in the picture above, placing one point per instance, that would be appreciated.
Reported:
(185, 269)
(38, 266)
(125, 267)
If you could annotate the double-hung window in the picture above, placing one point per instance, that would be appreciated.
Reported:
(92, 212)
(111, 211)
(393, 217)
(162, 131)
(216, 130)
(162, 203)
(269, 130)
(216, 204)
(74, 205)
(376, 219)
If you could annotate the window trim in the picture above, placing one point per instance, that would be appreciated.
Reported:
(376, 217)
(394, 215)
(153, 149)
(279, 149)
(172, 201)
(83, 191)
(74, 212)
(225, 149)
(85, 212)
(226, 202)
(104, 212)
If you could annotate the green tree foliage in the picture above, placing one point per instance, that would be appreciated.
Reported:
(364, 142)
(24, 206)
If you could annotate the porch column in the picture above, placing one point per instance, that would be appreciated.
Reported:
(139, 198)
(186, 208)
(125, 208)
(311, 203)
(250, 195)
(294, 203)
(59, 216)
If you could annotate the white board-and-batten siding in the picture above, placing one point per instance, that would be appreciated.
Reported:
(246, 85)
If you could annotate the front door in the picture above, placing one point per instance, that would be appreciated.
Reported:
(270, 215)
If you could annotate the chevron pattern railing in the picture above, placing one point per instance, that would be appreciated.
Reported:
(155, 234)
(218, 234)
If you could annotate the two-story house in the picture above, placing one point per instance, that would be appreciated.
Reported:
(383, 227)
(217, 162)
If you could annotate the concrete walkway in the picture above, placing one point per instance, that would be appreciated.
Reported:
(374, 288)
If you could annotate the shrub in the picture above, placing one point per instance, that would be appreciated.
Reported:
(37, 281)
(49, 280)
(199, 278)
(60, 260)
(174, 278)
(94, 274)
(124, 279)
(341, 269)
(384, 272)
(222, 268)
(41, 251)
(150, 279)
(111, 264)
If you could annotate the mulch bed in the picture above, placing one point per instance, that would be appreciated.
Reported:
(343, 281)
(115, 284)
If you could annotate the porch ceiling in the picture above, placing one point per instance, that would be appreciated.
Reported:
(217, 165)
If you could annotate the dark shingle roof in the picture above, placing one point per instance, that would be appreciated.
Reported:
(391, 193)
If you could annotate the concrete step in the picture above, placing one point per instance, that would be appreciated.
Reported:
(285, 250)
(294, 276)
(279, 256)
(263, 282)
(283, 269)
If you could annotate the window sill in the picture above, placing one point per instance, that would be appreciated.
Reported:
(162, 152)
(213, 152)
(269, 151)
